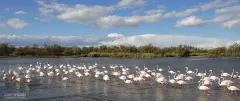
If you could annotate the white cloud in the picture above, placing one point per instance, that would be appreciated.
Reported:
(20, 12)
(131, 3)
(151, 12)
(231, 24)
(132, 21)
(180, 14)
(170, 40)
(231, 9)
(42, 19)
(190, 21)
(216, 4)
(115, 35)
(102, 17)
(118, 39)
(24, 40)
(7, 9)
(45, 11)
(98, 16)
(16, 23)
(83, 14)
(223, 17)
(161, 6)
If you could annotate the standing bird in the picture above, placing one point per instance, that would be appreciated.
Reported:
(232, 88)
(202, 87)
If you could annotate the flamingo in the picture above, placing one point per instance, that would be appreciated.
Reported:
(213, 77)
(162, 81)
(27, 76)
(18, 79)
(224, 74)
(123, 77)
(28, 80)
(128, 81)
(189, 78)
(159, 69)
(223, 83)
(181, 82)
(4, 76)
(64, 78)
(202, 87)
(106, 78)
(131, 76)
(198, 74)
(226, 82)
(172, 81)
(86, 73)
(179, 76)
(50, 74)
(207, 82)
(170, 71)
(235, 76)
(78, 74)
(232, 88)
(189, 71)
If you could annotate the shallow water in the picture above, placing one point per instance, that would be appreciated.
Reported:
(91, 89)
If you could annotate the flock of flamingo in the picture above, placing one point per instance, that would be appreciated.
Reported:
(135, 76)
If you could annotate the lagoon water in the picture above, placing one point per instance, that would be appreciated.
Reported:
(90, 89)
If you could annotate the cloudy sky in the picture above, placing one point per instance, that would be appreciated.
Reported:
(200, 23)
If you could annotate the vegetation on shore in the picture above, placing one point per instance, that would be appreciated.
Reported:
(121, 51)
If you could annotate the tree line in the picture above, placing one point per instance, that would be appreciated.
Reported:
(121, 51)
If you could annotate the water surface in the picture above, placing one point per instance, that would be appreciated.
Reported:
(90, 89)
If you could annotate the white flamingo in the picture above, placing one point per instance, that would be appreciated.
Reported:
(106, 77)
(202, 87)
(170, 71)
(213, 77)
(172, 81)
(128, 81)
(189, 71)
(65, 78)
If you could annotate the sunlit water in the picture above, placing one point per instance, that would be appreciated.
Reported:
(91, 89)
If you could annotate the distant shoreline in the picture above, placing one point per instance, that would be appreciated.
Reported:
(105, 57)
(125, 52)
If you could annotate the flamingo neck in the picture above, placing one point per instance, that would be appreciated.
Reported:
(219, 81)
(221, 72)
(178, 72)
(232, 73)
(196, 72)
(174, 75)
(199, 84)
(210, 74)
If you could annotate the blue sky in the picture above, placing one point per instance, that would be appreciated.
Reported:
(213, 23)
